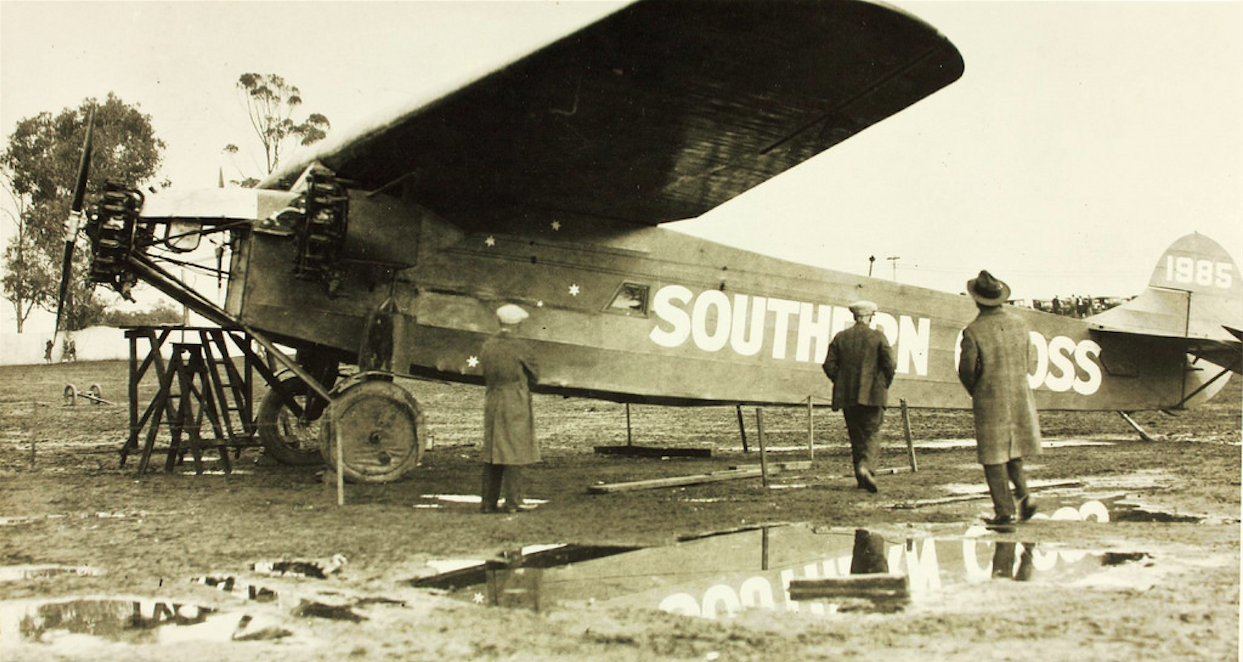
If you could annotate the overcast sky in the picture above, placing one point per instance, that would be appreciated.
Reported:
(1082, 140)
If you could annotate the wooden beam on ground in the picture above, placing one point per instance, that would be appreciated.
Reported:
(649, 451)
(797, 465)
(978, 495)
(677, 481)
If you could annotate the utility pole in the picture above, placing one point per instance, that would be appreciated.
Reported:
(893, 259)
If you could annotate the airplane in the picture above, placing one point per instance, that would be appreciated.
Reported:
(545, 183)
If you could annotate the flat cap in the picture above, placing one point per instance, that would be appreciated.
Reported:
(863, 308)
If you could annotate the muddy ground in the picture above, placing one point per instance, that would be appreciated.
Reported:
(1167, 589)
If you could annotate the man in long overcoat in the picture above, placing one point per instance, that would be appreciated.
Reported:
(508, 423)
(861, 364)
(993, 369)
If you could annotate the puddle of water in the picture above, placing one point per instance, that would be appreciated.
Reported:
(113, 619)
(721, 575)
(16, 573)
(461, 574)
(435, 500)
(1081, 507)
(1109, 508)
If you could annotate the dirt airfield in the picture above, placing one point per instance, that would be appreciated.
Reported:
(1135, 556)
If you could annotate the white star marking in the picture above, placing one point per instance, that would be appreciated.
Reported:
(539, 304)
(490, 241)
(574, 290)
(472, 362)
(478, 598)
(556, 225)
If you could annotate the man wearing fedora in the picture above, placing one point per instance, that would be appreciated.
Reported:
(508, 424)
(861, 364)
(993, 369)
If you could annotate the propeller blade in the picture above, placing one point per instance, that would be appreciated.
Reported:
(75, 218)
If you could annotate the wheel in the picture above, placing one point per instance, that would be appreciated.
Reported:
(290, 438)
(97, 394)
(379, 428)
(71, 395)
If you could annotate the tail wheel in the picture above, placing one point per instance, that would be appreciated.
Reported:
(289, 422)
(378, 426)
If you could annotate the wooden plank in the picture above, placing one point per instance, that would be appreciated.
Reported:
(649, 451)
(979, 495)
(675, 481)
(797, 465)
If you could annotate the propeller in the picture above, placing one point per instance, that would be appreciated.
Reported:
(75, 220)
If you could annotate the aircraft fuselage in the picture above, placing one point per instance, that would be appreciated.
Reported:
(649, 315)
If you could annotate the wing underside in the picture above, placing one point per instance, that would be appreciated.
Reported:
(1202, 323)
(658, 112)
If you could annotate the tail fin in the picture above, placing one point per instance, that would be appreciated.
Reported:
(1195, 297)
(1196, 292)
(1201, 266)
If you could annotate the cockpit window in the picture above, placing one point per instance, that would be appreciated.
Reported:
(631, 299)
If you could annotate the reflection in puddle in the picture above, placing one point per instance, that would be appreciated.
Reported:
(784, 568)
(113, 619)
(230, 585)
(1112, 508)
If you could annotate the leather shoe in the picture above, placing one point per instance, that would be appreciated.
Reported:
(1026, 508)
(1000, 520)
(868, 482)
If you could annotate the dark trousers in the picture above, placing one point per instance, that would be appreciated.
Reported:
(999, 477)
(863, 424)
(497, 477)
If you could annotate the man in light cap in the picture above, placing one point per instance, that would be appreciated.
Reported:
(861, 365)
(508, 425)
(993, 369)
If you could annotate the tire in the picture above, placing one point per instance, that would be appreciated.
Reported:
(283, 436)
(379, 428)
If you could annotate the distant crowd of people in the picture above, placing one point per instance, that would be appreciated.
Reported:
(1075, 305)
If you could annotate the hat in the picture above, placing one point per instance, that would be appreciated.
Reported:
(988, 291)
(862, 308)
(511, 314)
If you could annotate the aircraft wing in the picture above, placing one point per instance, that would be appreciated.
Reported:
(658, 112)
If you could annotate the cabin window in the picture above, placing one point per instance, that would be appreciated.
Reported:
(630, 299)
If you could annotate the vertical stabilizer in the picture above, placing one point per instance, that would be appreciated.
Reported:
(1196, 291)
(1199, 265)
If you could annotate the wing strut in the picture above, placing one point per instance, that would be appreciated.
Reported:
(1189, 396)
